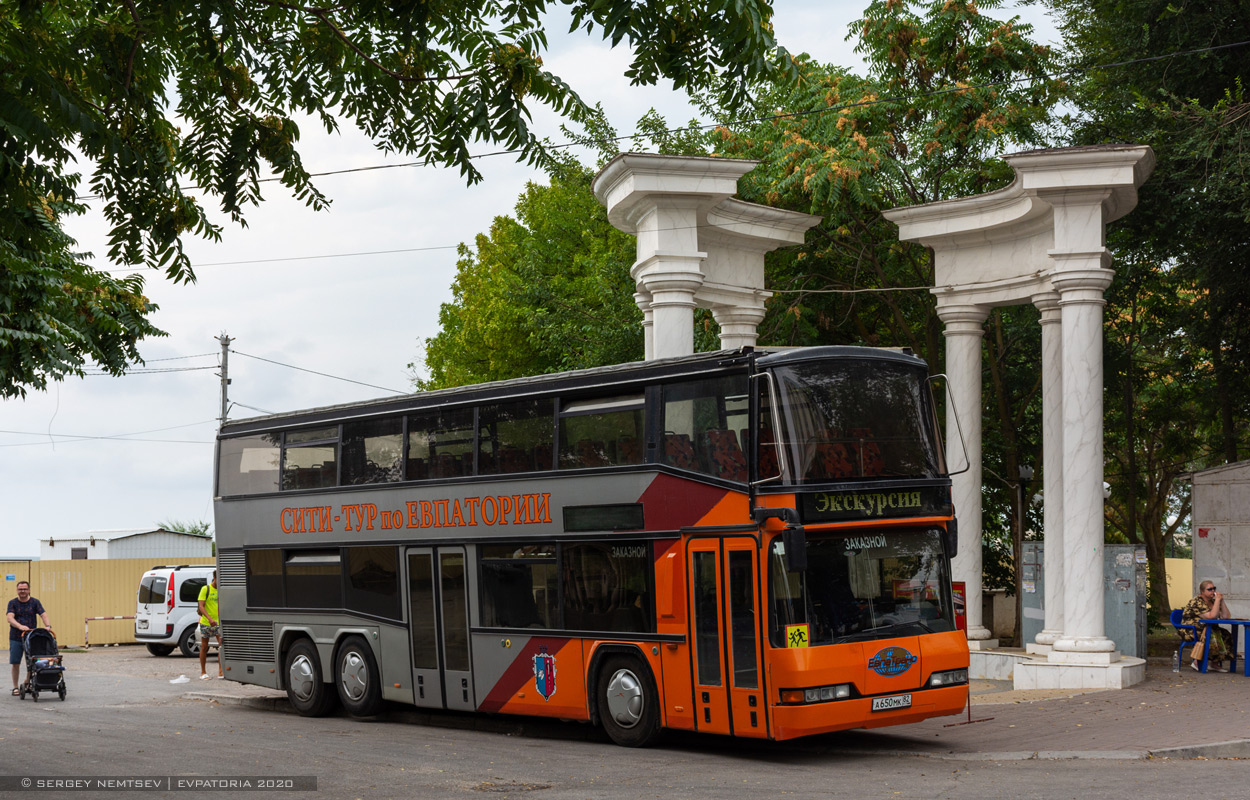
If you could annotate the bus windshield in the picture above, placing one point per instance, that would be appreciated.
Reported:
(860, 585)
(855, 420)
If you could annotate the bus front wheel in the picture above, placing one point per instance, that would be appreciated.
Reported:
(304, 688)
(628, 701)
(357, 678)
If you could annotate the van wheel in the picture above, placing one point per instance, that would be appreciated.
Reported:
(160, 649)
(304, 688)
(189, 642)
(628, 701)
(356, 673)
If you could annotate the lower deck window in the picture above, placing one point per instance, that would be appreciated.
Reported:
(519, 586)
(314, 579)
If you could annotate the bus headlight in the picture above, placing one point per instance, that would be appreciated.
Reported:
(816, 694)
(948, 678)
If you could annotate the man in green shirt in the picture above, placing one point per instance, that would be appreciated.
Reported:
(209, 626)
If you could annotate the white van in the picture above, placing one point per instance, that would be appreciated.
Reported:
(167, 613)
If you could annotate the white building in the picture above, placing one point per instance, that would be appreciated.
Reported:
(154, 543)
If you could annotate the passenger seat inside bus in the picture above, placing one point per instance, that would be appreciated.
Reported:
(725, 456)
(678, 450)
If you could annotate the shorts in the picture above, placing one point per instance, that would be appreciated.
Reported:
(15, 651)
(210, 631)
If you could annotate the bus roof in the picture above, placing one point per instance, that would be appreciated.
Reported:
(516, 388)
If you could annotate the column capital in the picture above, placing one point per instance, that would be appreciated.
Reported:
(1048, 304)
(964, 318)
(1082, 285)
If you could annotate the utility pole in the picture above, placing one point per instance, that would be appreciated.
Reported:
(225, 376)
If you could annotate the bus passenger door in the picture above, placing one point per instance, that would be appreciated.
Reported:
(439, 621)
(724, 630)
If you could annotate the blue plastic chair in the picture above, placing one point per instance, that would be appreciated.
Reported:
(1180, 626)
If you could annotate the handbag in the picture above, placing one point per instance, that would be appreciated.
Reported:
(1196, 653)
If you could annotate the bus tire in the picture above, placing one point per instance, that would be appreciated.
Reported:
(304, 687)
(628, 701)
(160, 649)
(189, 641)
(356, 678)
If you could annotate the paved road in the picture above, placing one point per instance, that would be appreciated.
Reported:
(124, 718)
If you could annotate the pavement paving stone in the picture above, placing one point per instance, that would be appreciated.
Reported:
(1169, 715)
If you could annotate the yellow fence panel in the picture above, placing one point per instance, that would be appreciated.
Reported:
(71, 591)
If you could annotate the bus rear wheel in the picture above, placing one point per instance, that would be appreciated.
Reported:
(628, 701)
(356, 672)
(304, 687)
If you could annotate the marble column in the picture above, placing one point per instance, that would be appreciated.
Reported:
(964, 329)
(1052, 467)
(1081, 277)
(643, 301)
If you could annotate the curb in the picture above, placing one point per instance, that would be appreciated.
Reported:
(520, 726)
(1237, 748)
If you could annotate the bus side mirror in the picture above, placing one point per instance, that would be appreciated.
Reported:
(951, 538)
(794, 537)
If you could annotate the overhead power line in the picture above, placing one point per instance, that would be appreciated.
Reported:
(315, 372)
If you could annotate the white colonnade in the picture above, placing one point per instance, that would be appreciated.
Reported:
(698, 246)
(1040, 241)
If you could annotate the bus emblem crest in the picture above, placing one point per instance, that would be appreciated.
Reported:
(544, 672)
(891, 661)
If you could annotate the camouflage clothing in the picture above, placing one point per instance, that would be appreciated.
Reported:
(1221, 640)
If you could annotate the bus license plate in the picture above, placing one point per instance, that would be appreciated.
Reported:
(142, 625)
(891, 703)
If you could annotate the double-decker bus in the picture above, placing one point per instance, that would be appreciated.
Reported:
(749, 542)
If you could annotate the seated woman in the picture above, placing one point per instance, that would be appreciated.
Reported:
(1209, 604)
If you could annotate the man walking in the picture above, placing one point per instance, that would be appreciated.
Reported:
(209, 626)
(21, 614)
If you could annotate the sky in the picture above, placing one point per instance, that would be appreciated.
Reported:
(316, 291)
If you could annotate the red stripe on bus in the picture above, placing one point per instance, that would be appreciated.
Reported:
(671, 503)
(521, 672)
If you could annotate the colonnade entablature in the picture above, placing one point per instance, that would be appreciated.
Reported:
(698, 245)
(1040, 240)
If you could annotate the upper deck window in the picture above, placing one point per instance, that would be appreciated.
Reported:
(515, 437)
(249, 464)
(373, 451)
(440, 444)
(856, 420)
(705, 426)
(310, 459)
(602, 432)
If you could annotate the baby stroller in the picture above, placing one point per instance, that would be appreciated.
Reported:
(43, 665)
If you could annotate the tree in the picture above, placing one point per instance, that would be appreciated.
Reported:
(154, 96)
(948, 90)
(546, 291)
(1178, 374)
(197, 527)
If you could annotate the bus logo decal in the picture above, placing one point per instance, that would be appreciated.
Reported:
(544, 672)
(892, 661)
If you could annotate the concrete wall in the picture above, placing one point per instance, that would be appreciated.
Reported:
(1221, 532)
(73, 590)
(1180, 581)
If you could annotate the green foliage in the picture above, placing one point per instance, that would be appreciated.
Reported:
(197, 527)
(154, 96)
(923, 126)
(546, 291)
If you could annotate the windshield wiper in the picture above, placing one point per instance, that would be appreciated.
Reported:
(875, 633)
